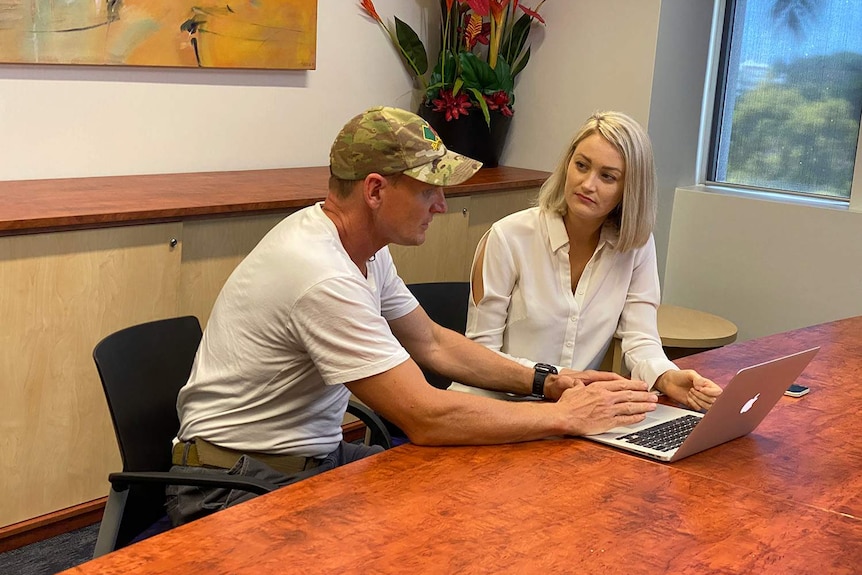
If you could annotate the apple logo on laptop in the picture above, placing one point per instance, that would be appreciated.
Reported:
(749, 403)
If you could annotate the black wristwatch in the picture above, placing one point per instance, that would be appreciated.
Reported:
(539, 376)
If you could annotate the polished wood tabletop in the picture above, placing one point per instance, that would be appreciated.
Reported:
(785, 499)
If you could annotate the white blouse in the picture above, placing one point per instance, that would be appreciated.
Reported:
(529, 312)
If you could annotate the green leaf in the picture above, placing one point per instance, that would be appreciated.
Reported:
(505, 79)
(482, 104)
(478, 74)
(437, 82)
(411, 47)
(457, 87)
(515, 43)
(521, 64)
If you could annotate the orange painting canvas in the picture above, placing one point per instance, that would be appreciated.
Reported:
(272, 34)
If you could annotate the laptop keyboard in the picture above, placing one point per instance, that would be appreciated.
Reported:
(664, 436)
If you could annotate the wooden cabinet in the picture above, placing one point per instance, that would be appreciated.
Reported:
(443, 255)
(60, 293)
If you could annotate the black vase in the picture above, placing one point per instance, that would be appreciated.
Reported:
(470, 135)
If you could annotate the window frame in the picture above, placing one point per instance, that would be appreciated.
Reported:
(709, 123)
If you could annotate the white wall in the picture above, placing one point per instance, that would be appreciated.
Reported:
(593, 55)
(677, 93)
(69, 121)
(766, 266)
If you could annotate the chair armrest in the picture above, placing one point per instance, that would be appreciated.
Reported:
(379, 434)
(121, 480)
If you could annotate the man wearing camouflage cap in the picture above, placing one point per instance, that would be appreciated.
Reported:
(317, 311)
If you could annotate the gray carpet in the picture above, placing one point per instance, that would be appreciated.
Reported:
(51, 555)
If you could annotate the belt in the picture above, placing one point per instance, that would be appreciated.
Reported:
(201, 453)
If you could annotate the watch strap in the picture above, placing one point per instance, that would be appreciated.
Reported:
(540, 374)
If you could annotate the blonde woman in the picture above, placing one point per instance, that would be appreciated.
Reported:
(551, 285)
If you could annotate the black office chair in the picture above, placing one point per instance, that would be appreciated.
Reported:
(142, 369)
(446, 304)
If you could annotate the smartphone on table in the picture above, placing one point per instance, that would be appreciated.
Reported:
(796, 390)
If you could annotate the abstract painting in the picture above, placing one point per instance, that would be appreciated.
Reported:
(269, 34)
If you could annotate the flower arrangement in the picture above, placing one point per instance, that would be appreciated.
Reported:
(483, 47)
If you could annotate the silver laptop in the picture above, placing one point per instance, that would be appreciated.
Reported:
(671, 433)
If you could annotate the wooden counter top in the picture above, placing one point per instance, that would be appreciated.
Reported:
(29, 206)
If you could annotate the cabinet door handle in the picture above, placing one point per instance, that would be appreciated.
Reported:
(173, 243)
(463, 211)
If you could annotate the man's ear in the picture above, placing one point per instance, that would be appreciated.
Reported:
(372, 187)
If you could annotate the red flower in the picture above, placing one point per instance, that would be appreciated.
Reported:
(369, 7)
(499, 101)
(480, 7)
(475, 30)
(533, 13)
(498, 7)
(453, 106)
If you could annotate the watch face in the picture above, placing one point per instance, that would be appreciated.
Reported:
(545, 368)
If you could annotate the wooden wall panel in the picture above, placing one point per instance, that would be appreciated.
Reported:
(442, 256)
(60, 293)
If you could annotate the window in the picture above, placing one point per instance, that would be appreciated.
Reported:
(789, 97)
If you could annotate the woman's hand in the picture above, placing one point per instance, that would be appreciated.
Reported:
(688, 387)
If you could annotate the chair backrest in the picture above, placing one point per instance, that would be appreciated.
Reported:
(142, 369)
(446, 304)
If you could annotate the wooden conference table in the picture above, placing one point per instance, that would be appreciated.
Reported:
(785, 499)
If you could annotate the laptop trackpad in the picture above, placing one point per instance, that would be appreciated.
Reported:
(648, 422)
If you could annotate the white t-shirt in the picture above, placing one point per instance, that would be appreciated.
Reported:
(529, 312)
(293, 323)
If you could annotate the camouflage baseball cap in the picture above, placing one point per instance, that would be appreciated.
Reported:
(388, 141)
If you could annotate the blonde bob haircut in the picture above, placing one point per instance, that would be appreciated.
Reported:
(635, 216)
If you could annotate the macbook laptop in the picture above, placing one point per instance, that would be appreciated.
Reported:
(671, 433)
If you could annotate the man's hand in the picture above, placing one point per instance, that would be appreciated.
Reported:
(555, 385)
(689, 388)
(606, 404)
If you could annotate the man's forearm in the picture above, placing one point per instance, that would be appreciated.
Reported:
(431, 416)
(468, 362)
(473, 420)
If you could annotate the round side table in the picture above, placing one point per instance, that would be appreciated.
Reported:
(683, 331)
(686, 331)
